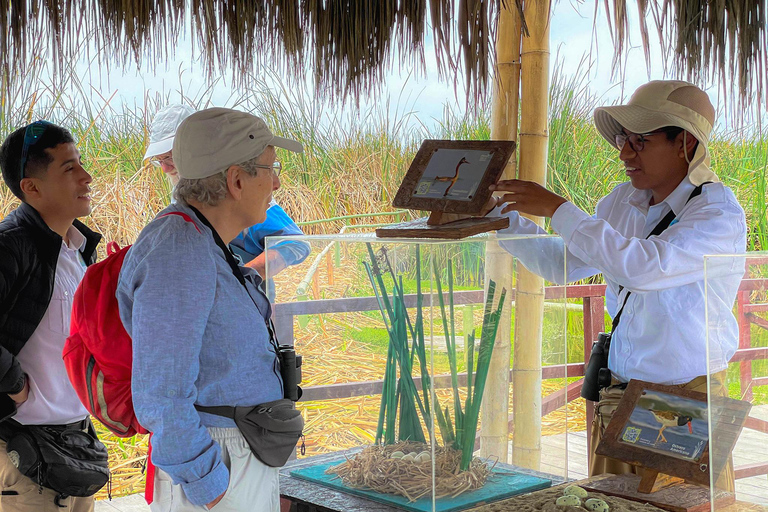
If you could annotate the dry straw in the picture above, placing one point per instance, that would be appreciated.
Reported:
(374, 468)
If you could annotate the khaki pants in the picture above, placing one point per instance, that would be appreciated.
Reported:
(609, 401)
(253, 486)
(19, 493)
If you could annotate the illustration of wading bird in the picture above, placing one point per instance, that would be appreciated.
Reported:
(670, 419)
(453, 179)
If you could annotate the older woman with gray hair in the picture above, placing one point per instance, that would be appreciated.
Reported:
(200, 323)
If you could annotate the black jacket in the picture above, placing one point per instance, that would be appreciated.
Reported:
(29, 252)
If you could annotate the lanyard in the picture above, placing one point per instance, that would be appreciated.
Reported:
(660, 227)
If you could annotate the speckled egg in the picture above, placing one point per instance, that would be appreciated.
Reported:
(575, 490)
(569, 500)
(596, 505)
(396, 455)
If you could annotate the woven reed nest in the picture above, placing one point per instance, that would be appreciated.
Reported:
(374, 468)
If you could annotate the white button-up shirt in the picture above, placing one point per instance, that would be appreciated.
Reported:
(52, 399)
(662, 335)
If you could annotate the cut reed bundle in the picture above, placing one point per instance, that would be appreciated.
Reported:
(400, 398)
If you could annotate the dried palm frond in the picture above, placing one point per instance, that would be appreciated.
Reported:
(348, 45)
(702, 40)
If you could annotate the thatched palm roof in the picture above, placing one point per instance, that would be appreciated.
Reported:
(349, 44)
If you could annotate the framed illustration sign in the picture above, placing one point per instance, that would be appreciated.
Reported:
(666, 429)
(453, 176)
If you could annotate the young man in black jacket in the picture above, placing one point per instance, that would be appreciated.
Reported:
(44, 252)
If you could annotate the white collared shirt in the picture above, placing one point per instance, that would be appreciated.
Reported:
(52, 399)
(662, 333)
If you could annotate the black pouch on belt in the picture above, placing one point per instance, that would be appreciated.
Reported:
(271, 429)
(69, 460)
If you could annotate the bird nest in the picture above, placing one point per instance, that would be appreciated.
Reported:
(376, 469)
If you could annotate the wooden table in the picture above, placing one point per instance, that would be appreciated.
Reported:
(736, 507)
(306, 496)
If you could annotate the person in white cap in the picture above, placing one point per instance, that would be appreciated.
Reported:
(249, 244)
(648, 238)
(187, 350)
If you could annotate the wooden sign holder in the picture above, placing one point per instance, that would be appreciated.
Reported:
(451, 217)
(669, 480)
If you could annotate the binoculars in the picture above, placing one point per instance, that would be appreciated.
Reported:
(290, 370)
(597, 375)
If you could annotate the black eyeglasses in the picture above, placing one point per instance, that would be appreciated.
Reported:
(31, 136)
(636, 140)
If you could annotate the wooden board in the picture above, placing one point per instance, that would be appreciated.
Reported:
(452, 231)
(685, 454)
(475, 180)
(678, 498)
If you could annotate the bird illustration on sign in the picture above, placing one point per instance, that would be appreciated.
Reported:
(452, 179)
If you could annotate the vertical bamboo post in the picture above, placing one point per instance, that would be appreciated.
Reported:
(529, 299)
(494, 429)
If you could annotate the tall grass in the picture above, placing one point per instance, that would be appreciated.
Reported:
(354, 160)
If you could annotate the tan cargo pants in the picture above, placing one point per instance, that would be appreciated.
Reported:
(19, 493)
(609, 401)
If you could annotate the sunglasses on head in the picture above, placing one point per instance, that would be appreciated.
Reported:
(31, 137)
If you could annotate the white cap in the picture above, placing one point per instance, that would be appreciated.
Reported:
(663, 103)
(211, 140)
(164, 126)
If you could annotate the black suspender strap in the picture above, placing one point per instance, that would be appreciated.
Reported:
(660, 227)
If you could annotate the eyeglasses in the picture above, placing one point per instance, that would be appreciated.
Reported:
(636, 140)
(158, 161)
(276, 167)
(31, 136)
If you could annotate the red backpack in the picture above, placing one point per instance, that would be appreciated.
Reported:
(98, 354)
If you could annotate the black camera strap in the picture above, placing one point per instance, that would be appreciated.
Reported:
(238, 274)
(660, 227)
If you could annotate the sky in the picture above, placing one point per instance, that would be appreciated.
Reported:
(574, 44)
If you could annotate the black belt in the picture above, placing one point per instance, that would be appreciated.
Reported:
(10, 426)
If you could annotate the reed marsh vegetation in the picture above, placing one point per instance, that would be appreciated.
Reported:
(353, 164)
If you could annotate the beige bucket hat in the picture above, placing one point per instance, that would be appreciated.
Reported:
(209, 141)
(663, 103)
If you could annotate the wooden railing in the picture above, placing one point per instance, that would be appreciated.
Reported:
(593, 305)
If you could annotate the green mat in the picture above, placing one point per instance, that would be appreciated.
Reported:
(500, 485)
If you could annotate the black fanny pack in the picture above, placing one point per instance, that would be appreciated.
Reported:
(66, 458)
(271, 429)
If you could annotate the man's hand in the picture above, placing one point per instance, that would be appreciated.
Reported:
(215, 502)
(259, 264)
(21, 397)
(527, 197)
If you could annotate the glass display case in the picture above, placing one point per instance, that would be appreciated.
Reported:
(737, 355)
(437, 374)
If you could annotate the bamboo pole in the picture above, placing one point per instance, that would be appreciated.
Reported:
(534, 137)
(494, 432)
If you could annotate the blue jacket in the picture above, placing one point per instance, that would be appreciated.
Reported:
(250, 243)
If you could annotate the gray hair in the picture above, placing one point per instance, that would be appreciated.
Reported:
(210, 190)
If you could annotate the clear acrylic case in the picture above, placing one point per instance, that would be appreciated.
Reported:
(344, 309)
(737, 354)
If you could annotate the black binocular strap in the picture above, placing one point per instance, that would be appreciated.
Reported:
(660, 227)
(239, 275)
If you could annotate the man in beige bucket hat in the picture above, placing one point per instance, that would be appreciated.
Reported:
(648, 238)
(201, 327)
